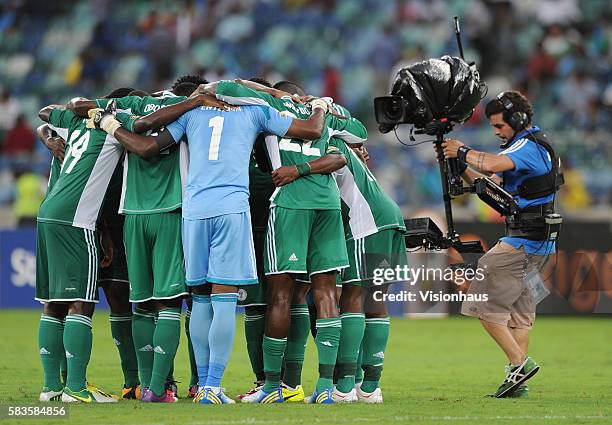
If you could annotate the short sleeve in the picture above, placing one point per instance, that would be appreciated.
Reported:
(178, 128)
(268, 120)
(528, 157)
(239, 94)
(63, 118)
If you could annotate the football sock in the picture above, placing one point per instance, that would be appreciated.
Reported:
(254, 324)
(273, 352)
(375, 340)
(328, 337)
(353, 327)
(359, 370)
(121, 331)
(296, 345)
(51, 349)
(77, 343)
(143, 327)
(165, 342)
(193, 380)
(199, 327)
(221, 336)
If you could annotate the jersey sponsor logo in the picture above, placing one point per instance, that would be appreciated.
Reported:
(293, 257)
(384, 263)
(151, 108)
(242, 294)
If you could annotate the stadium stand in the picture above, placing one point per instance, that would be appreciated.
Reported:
(557, 51)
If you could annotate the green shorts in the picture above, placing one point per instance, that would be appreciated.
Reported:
(117, 271)
(66, 263)
(370, 256)
(304, 241)
(252, 295)
(155, 256)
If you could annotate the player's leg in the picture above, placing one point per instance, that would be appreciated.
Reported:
(51, 349)
(285, 253)
(72, 256)
(328, 333)
(168, 290)
(196, 236)
(51, 326)
(351, 336)
(253, 298)
(296, 344)
(231, 263)
(353, 321)
(326, 255)
(117, 293)
(383, 249)
(138, 250)
(193, 367)
(374, 345)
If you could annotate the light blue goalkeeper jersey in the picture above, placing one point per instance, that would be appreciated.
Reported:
(220, 145)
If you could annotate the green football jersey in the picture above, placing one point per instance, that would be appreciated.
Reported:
(366, 206)
(152, 185)
(315, 191)
(75, 199)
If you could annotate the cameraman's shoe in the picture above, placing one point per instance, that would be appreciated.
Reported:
(515, 376)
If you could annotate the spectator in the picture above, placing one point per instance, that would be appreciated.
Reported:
(20, 140)
(10, 108)
(29, 194)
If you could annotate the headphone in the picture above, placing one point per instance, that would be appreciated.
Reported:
(517, 120)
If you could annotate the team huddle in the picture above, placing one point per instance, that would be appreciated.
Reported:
(221, 194)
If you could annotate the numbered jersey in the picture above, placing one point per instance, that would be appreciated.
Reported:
(76, 197)
(316, 191)
(152, 185)
(366, 208)
(220, 145)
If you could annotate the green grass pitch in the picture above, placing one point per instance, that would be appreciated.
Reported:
(436, 371)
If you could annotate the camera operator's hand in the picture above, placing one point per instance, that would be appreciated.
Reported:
(451, 148)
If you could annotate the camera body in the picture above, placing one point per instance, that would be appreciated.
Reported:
(446, 89)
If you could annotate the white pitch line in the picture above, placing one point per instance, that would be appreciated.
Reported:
(408, 418)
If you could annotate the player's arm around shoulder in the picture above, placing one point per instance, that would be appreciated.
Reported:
(327, 164)
(165, 116)
(311, 128)
(143, 146)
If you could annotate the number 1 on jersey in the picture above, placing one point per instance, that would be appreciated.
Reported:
(217, 125)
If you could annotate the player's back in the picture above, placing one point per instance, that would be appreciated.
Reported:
(220, 144)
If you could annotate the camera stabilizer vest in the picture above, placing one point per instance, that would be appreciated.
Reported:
(538, 222)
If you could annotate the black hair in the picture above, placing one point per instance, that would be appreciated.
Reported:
(190, 78)
(290, 87)
(519, 104)
(139, 93)
(120, 92)
(184, 89)
(261, 81)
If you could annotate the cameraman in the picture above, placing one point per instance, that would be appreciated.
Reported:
(509, 312)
